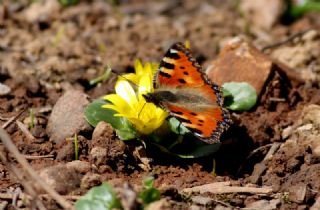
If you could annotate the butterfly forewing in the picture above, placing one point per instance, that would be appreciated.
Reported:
(179, 69)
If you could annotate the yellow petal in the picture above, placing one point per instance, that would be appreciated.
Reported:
(115, 99)
(134, 78)
(145, 85)
(125, 91)
(138, 67)
(118, 103)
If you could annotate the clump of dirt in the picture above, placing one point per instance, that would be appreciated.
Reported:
(106, 150)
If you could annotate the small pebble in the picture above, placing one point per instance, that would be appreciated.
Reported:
(4, 89)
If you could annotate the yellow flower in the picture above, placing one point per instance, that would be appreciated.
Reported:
(141, 71)
(128, 103)
(187, 44)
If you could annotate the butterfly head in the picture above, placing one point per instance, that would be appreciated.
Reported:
(160, 97)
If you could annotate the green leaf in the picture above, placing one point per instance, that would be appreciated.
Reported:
(239, 96)
(68, 2)
(94, 114)
(126, 133)
(148, 181)
(99, 198)
(149, 194)
(176, 126)
(297, 10)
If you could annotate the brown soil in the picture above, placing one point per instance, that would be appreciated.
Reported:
(46, 51)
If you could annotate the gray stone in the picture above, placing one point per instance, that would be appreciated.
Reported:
(67, 117)
(63, 178)
(4, 89)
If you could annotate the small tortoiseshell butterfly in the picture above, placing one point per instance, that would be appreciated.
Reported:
(185, 91)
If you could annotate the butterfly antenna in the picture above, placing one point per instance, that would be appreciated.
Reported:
(141, 109)
(119, 75)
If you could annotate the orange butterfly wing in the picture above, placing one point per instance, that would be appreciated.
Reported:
(207, 125)
(179, 69)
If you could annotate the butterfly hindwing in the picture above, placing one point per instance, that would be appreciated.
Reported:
(206, 125)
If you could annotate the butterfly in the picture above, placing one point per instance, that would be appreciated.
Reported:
(185, 91)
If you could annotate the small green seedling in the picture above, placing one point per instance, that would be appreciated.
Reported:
(57, 38)
(76, 147)
(103, 77)
(149, 194)
(101, 198)
(68, 2)
(32, 119)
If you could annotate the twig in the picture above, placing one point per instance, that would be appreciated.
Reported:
(6, 196)
(252, 153)
(15, 152)
(258, 150)
(217, 188)
(36, 157)
(3, 205)
(4, 118)
(16, 194)
(19, 175)
(202, 200)
(277, 99)
(25, 130)
(287, 40)
(68, 197)
(12, 119)
(223, 203)
(274, 148)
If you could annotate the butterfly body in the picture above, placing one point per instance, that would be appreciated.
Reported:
(182, 89)
(183, 97)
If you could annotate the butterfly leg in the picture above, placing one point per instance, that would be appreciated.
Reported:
(141, 110)
(179, 127)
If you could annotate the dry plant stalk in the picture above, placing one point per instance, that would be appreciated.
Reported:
(6, 140)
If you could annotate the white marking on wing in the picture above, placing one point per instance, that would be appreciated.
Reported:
(168, 60)
(173, 51)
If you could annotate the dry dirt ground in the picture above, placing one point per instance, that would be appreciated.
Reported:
(47, 50)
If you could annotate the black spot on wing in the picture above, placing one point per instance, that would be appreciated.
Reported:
(167, 65)
(182, 67)
(164, 74)
(182, 81)
(183, 120)
(172, 55)
(185, 73)
(178, 113)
